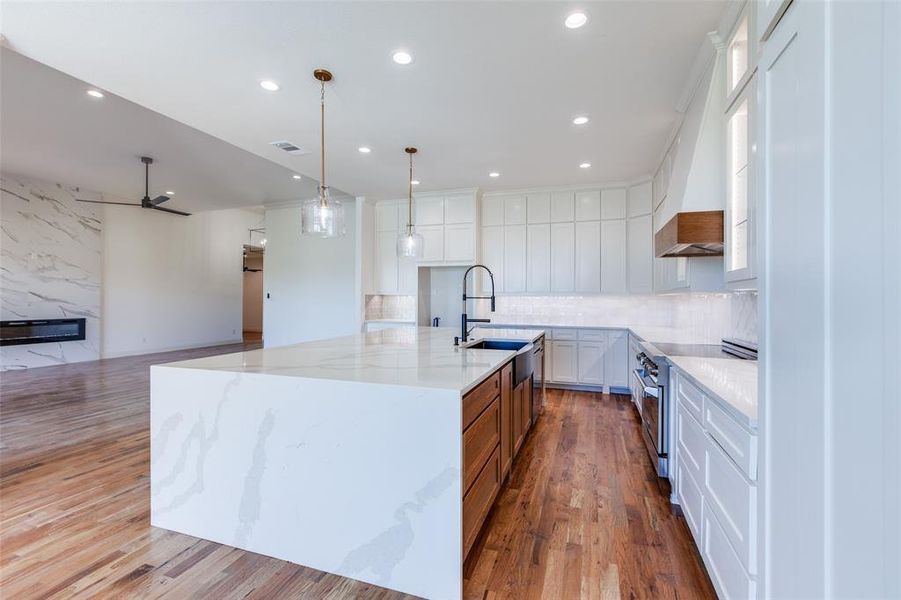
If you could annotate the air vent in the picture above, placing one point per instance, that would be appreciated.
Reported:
(289, 147)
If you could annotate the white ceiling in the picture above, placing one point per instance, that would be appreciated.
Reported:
(50, 129)
(493, 87)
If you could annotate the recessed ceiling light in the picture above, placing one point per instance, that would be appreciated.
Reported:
(494, 174)
(575, 20)
(585, 165)
(581, 120)
(95, 93)
(415, 182)
(269, 85)
(170, 193)
(295, 176)
(364, 149)
(402, 57)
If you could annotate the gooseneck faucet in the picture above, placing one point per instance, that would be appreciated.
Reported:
(465, 320)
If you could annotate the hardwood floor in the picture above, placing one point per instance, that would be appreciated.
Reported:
(582, 514)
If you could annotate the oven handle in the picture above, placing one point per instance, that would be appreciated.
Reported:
(649, 390)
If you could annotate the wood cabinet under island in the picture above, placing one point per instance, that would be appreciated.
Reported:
(375, 456)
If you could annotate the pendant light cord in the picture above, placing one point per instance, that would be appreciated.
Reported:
(410, 198)
(322, 187)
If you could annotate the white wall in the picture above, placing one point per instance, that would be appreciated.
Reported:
(172, 282)
(50, 267)
(311, 283)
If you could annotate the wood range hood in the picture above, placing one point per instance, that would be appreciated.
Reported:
(691, 234)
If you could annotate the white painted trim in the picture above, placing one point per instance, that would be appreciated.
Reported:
(571, 188)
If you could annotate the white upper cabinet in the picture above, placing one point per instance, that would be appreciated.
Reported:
(563, 257)
(640, 254)
(515, 210)
(459, 243)
(740, 231)
(492, 210)
(539, 258)
(640, 199)
(588, 257)
(493, 258)
(588, 206)
(459, 208)
(738, 57)
(613, 256)
(768, 14)
(562, 207)
(515, 258)
(613, 204)
(429, 210)
(432, 243)
(539, 208)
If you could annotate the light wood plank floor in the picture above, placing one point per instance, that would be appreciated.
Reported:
(582, 514)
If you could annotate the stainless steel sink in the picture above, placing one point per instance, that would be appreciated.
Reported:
(523, 362)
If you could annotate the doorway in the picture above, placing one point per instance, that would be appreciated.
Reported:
(252, 324)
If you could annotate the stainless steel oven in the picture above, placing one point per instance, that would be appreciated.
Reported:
(649, 381)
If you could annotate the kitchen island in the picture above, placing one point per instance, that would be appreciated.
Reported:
(373, 456)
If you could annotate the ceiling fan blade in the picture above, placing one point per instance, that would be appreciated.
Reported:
(159, 200)
(107, 202)
(170, 210)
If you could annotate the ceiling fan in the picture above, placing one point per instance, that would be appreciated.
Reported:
(146, 201)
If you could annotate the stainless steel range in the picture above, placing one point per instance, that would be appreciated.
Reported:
(650, 395)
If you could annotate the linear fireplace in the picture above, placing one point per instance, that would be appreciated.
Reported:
(36, 331)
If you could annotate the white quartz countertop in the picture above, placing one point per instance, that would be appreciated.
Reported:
(733, 381)
(413, 356)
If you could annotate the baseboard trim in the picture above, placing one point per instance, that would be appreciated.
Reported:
(577, 387)
(120, 354)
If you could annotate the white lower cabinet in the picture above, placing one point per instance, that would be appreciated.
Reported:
(616, 359)
(691, 499)
(726, 571)
(564, 362)
(591, 363)
(734, 501)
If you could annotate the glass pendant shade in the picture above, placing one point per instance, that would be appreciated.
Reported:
(409, 243)
(322, 217)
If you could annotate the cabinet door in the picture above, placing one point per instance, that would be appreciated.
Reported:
(588, 206)
(588, 257)
(768, 14)
(640, 199)
(613, 256)
(428, 210)
(459, 243)
(386, 262)
(640, 254)
(515, 258)
(515, 210)
(563, 257)
(493, 258)
(562, 207)
(539, 258)
(459, 208)
(591, 363)
(432, 243)
(613, 204)
(539, 208)
(616, 359)
(492, 210)
(564, 362)
(740, 232)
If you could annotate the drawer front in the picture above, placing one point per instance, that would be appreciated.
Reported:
(593, 335)
(739, 443)
(729, 577)
(691, 499)
(734, 502)
(565, 334)
(480, 440)
(691, 397)
(479, 499)
(692, 443)
(478, 399)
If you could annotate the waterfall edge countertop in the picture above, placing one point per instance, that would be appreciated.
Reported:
(422, 357)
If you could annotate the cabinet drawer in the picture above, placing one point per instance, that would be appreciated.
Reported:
(729, 577)
(478, 399)
(739, 443)
(691, 397)
(733, 500)
(692, 443)
(593, 335)
(479, 442)
(565, 334)
(477, 502)
(691, 499)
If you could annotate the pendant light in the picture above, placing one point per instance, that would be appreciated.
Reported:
(409, 243)
(322, 216)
